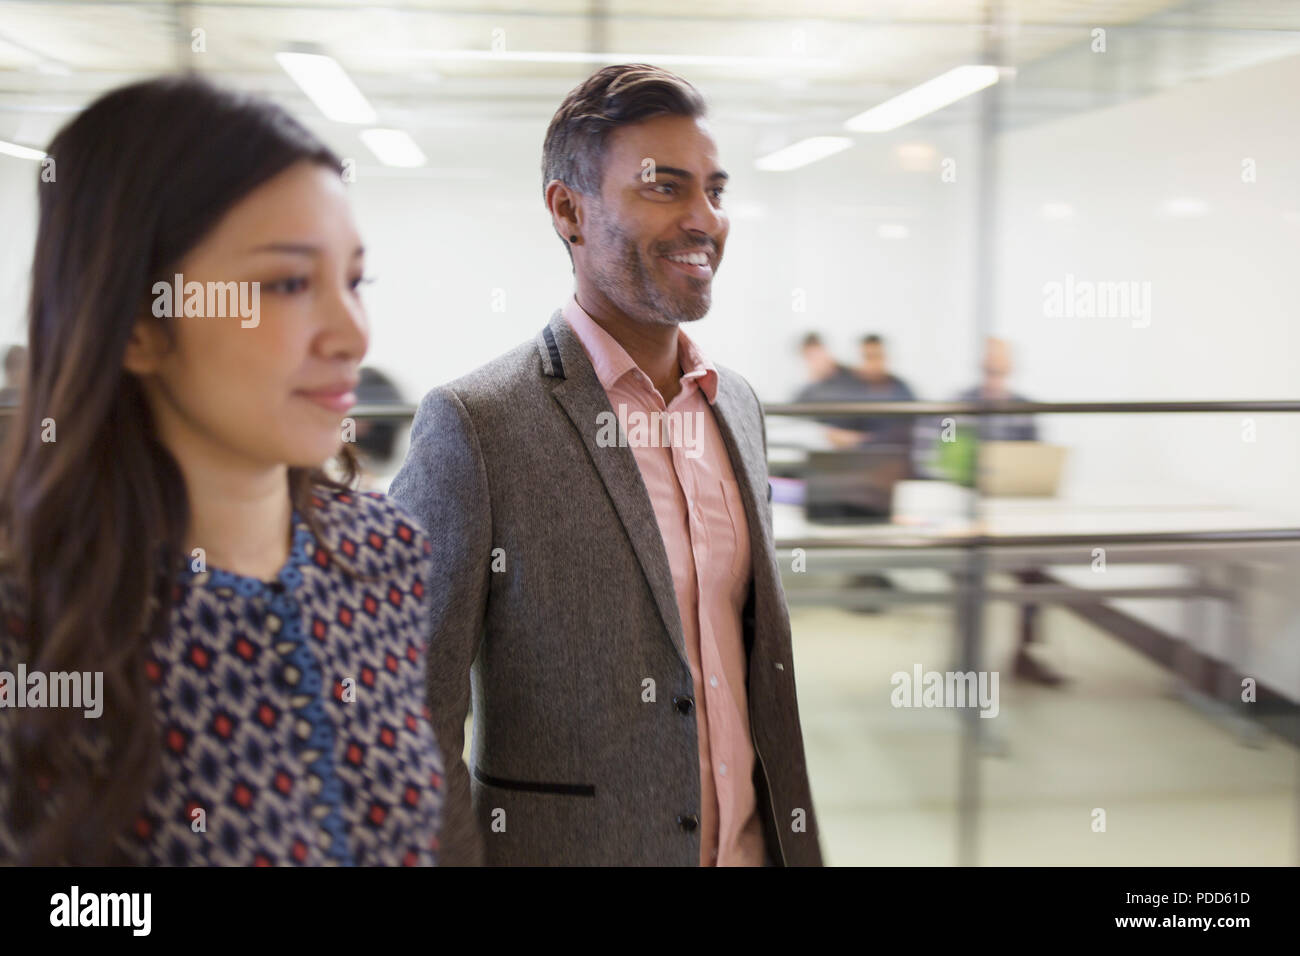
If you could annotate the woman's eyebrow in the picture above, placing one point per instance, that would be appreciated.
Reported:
(300, 248)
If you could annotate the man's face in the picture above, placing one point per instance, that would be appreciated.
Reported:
(997, 359)
(873, 360)
(820, 362)
(655, 236)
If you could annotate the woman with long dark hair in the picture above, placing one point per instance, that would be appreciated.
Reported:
(167, 522)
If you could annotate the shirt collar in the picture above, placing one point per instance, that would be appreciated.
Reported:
(611, 361)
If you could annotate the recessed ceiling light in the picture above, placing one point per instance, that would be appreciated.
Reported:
(20, 152)
(393, 147)
(328, 86)
(922, 100)
(1186, 207)
(802, 153)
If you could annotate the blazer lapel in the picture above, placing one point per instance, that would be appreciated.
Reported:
(579, 392)
(740, 432)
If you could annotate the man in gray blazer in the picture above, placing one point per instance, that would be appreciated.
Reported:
(606, 584)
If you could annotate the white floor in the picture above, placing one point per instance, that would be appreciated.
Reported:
(1178, 787)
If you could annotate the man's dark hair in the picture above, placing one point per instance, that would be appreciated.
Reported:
(872, 339)
(574, 150)
(809, 340)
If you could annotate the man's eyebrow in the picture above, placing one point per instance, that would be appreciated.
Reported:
(686, 174)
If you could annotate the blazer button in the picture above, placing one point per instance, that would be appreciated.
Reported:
(688, 822)
(684, 704)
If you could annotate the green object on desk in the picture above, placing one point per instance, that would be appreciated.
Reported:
(956, 460)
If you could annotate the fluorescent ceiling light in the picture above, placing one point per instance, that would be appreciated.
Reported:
(802, 153)
(916, 157)
(393, 147)
(1057, 211)
(921, 100)
(328, 86)
(21, 152)
(1186, 207)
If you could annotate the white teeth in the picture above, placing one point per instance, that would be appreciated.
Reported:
(692, 258)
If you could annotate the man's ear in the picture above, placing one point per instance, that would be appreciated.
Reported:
(565, 205)
(145, 348)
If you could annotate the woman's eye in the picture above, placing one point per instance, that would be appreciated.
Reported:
(288, 286)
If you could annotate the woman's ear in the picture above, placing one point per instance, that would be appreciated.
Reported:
(145, 348)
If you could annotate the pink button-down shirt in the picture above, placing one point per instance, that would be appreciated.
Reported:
(687, 471)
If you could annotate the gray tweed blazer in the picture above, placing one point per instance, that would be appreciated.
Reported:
(553, 607)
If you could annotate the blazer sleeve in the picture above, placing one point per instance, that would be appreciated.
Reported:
(443, 484)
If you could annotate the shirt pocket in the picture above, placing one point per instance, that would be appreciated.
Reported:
(739, 528)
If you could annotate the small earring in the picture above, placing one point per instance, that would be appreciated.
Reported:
(573, 238)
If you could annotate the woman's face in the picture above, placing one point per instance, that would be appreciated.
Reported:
(265, 373)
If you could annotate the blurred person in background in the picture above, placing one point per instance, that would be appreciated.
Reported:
(825, 373)
(15, 369)
(829, 381)
(180, 537)
(377, 438)
(612, 603)
(997, 366)
(880, 385)
(11, 393)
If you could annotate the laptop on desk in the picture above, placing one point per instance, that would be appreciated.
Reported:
(1020, 469)
(854, 485)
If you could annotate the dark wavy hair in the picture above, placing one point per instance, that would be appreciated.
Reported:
(574, 149)
(91, 524)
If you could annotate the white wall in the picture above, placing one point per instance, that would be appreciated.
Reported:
(1224, 289)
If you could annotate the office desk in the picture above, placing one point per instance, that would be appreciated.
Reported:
(949, 561)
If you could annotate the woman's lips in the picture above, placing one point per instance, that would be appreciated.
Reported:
(333, 399)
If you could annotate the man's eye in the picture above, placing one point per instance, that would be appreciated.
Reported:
(360, 281)
(717, 193)
(657, 187)
(288, 286)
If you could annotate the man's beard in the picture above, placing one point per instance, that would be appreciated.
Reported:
(624, 279)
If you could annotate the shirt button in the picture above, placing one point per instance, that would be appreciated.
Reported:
(722, 769)
(713, 681)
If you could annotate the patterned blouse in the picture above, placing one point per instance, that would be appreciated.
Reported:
(292, 712)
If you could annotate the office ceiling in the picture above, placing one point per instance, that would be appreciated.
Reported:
(429, 66)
